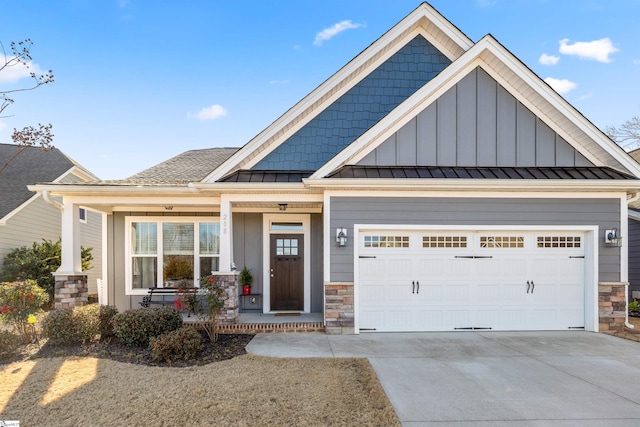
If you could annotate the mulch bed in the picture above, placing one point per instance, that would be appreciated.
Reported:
(226, 347)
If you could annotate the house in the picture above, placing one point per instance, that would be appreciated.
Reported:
(633, 243)
(26, 217)
(431, 184)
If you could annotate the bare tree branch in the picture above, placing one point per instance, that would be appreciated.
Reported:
(627, 135)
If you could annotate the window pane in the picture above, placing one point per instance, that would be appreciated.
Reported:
(208, 265)
(209, 238)
(286, 226)
(144, 272)
(144, 238)
(177, 238)
(177, 244)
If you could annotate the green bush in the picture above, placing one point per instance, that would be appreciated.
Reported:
(79, 325)
(634, 306)
(106, 315)
(184, 343)
(9, 343)
(38, 262)
(136, 327)
(18, 300)
(60, 327)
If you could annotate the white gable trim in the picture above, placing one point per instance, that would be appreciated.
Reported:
(424, 20)
(486, 49)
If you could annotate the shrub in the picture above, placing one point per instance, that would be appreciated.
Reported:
(17, 301)
(106, 315)
(60, 327)
(183, 343)
(9, 343)
(135, 327)
(79, 325)
(38, 262)
(634, 306)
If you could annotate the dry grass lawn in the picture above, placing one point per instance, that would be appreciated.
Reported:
(246, 391)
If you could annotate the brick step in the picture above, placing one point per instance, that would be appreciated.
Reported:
(258, 328)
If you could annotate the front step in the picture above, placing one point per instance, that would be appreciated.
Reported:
(258, 328)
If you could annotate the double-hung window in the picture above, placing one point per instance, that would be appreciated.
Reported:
(165, 251)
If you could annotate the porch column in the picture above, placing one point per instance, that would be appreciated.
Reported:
(226, 230)
(71, 262)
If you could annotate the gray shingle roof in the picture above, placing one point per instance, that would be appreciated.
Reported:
(190, 166)
(32, 165)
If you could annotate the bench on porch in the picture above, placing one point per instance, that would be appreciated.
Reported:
(147, 300)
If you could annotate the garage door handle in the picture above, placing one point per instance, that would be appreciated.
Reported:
(413, 287)
(418, 287)
(533, 286)
(528, 286)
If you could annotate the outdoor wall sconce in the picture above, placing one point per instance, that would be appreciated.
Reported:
(341, 237)
(282, 206)
(611, 238)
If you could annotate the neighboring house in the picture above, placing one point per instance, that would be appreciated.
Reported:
(634, 242)
(431, 184)
(26, 217)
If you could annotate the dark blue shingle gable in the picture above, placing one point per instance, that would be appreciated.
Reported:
(359, 109)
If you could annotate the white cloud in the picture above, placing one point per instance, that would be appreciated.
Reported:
(334, 30)
(598, 50)
(19, 71)
(548, 59)
(211, 113)
(561, 86)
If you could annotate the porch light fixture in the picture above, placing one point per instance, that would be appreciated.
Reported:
(341, 237)
(611, 238)
(283, 206)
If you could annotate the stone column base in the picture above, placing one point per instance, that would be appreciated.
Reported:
(612, 306)
(70, 291)
(230, 313)
(339, 308)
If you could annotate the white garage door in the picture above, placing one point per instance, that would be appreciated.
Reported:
(497, 280)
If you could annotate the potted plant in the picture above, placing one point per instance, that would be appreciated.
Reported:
(245, 279)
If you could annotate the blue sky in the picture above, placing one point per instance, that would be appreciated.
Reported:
(140, 81)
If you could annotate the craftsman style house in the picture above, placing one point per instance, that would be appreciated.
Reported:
(431, 184)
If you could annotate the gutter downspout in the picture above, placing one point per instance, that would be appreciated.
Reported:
(631, 199)
(47, 198)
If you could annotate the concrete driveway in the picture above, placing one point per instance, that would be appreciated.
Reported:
(489, 378)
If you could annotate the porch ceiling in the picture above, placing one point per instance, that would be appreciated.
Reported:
(306, 207)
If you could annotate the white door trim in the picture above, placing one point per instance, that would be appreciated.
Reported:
(267, 220)
(591, 258)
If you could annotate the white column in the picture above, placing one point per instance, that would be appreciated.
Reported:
(71, 262)
(226, 229)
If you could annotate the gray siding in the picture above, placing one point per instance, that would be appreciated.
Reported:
(38, 220)
(347, 211)
(634, 255)
(475, 123)
(247, 250)
(247, 246)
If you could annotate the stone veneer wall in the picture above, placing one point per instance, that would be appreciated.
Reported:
(70, 291)
(612, 306)
(339, 308)
(229, 314)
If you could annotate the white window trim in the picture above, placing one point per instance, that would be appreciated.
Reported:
(267, 220)
(196, 220)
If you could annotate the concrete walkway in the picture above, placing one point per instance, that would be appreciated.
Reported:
(489, 378)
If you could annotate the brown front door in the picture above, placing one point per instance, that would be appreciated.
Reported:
(287, 272)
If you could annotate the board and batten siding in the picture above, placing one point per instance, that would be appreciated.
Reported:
(633, 243)
(247, 250)
(475, 123)
(347, 211)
